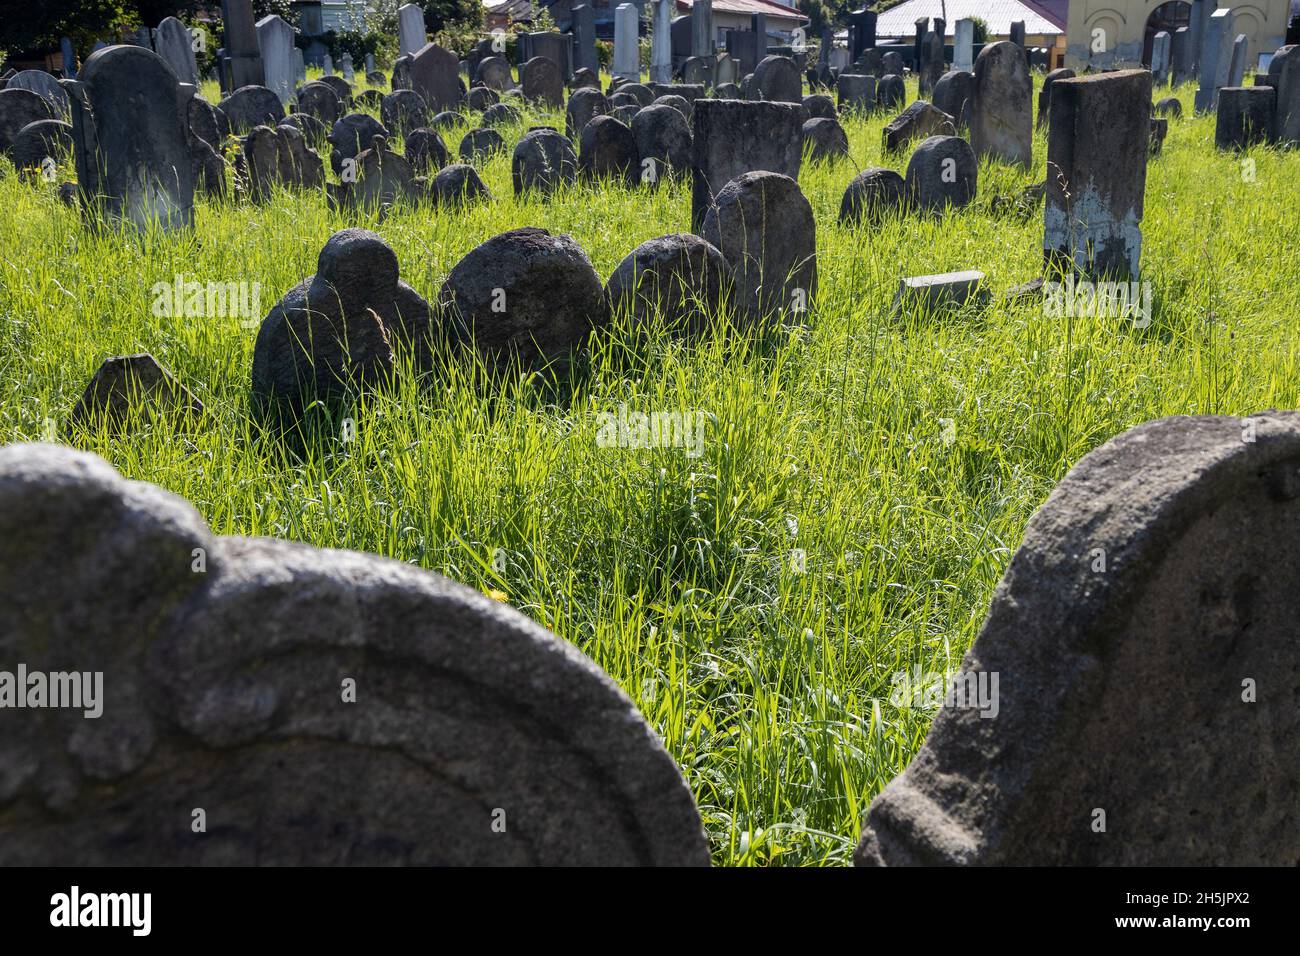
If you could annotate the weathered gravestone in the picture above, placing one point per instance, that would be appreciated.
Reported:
(319, 100)
(40, 141)
(381, 178)
(1161, 47)
(493, 72)
(855, 93)
(872, 195)
(277, 156)
(661, 42)
(584, 38)
(404, 110)
(132, 137)
(1096, 174)
(1002, 123)
(411, 37)
(1284, 76)
(891, 92)
(921, 120)
(217, 667)
(764, 227)
(963, 45)
(608, 151)
(663, 142)
(732, 137)
(345, 64)
(523, 296)
(251, 106)
(1237, 61)
(1245, 116)
(43, 85)
(241, 63)
(1216, 58)
(275, 43)
(678, 282)
(583, 105)
(130, 390)
(942, 175)
(543, 160)
(172, 42)
(17, 109)
(348, 137)
(336, 331)
(1045, 94)
(458, 185)
(1180, 56)
(824, 139)
(702, 28)
(425, 150)
(1143, 646)
(820, 106)
(954, 94)
(479, 145)
(932, 65)
(777, 79)
(542, 82)
(627, 24)
(435, 75)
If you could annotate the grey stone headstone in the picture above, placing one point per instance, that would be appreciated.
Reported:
(1045, 94)
(69, 58)
(777, 78)
(542, 82)
(942, 175)
(435, 75)
(299, 65)
(1123, 666)
(18, 109)
(661, 43)
(173, 42)
(1018, 33)
(1237, 62)
(854, 93)
(370, 63)
(411, 37)
(1216, 58)
(963, 45)
(862, 33)
(627, 62)
(584, 38)
(1180, 56)
(1196, 27)
(954, 94)
(43, 85)
(1096, 184)
(243, 59)
(1284, 76)
(1160, 50)
(742, 46)
(345, 63)
(327, 65)
(932, 61)
(218, 680)
(732, 137)
(1245, 116)
(132, 139)
(1002, 121)
(920, 120)
(702, 28)
(275, 43)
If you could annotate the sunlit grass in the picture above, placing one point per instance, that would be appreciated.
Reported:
(769, 686)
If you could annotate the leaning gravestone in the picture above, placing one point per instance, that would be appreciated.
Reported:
(523, 296)
(337, 330)
(43, 85)
(172, 42)
(1002, 122)
(1144, 649)
(435, 75)
(678, 282)
(130, 128)
(764, 227)
(1096, 173)
(127, 390)
(382, 178)
(732, 137)
(475, 736)
(17, 109)
(275, 43)
(921, 120)
(277, 156)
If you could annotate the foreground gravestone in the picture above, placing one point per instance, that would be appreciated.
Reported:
(223, 667)
(336, 331)
(942, 175)
(132, 139)
(1141, 642)
(1245, 116)
(129, 390)
(678, 282)
(544, 161)
(18, 108)
(732, 137)
(1002, 123)
(1284, 76)
(1096, 173)
(764, 227)
(172, 41)
(523, 296)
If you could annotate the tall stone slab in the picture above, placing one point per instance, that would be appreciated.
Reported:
(1096, 174)
(243, 58)
(226, 683)
(132, 140)
(1196, 26)
(435, 75)
(702, 28)
(1237, 61)
(275, 43)
(1180, 56)
(172, 42)
(862, 33)
(1002, 117)
(932, 61)
(345, 64)
(1018, 33)
(69, 56)
(584, 38)
(627, 24)
(1284, 76)
(661, 43)
(732, 137)
(1160, 50)
(1216, 58)
(963, 45)
(411, 37)
(1135, 669)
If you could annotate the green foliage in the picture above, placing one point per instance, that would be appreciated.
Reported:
(769, 687)
(981, 30)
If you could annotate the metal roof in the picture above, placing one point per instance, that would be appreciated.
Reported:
(900, 21)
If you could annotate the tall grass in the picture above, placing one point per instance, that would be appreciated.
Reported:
(770, 685)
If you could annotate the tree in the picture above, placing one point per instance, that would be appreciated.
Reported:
(27, 26)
